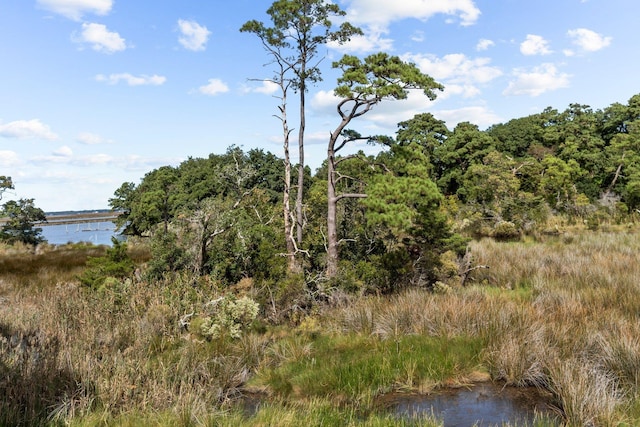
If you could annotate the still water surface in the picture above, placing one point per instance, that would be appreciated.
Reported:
(483, 405)
(98, 233)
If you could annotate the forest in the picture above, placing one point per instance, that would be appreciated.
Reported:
(409, 210)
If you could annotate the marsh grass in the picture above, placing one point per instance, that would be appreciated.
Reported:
(560, 314)
(587, 394)
(69, 351)
(356, 368)
(323, 412)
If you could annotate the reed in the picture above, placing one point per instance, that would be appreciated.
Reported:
(69, 351)
(559, 314)
(587, 394)
(537, 306)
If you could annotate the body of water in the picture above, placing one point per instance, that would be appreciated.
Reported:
(98, 233)
(482, 405)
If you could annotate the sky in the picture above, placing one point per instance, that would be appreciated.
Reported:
(95, 93)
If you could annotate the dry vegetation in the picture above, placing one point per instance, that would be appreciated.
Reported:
(561, 315)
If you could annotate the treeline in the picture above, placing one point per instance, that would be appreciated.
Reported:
(404, 212)
(578, 162)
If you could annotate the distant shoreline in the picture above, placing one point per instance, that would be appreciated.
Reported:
(70, 217)
(57, 218)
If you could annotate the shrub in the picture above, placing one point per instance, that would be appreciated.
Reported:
(166, 255)
(505, 230)
(116, 263)
(229, 317)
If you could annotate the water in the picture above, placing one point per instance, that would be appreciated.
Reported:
(98, 233)
(483, 405)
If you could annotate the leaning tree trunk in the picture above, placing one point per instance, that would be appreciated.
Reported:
(332, 197)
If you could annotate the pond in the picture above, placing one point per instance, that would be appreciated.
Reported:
(483, 405)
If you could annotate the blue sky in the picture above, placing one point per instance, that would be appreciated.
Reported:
(98, 92)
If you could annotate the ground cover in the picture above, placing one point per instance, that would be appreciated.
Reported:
(560, 314)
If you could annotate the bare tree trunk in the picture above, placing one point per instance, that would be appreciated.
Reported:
(286, 208)
(286, 193)
(617, 175)
(332, 196)
(300, 193)
(332, 205)
(333, 255)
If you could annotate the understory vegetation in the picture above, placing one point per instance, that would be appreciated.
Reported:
(559, 313)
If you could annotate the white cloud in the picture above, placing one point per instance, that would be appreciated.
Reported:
(589, 40)
(91, 139)
(373, 40)
(26, 129)
(375, 16)
(100, 38)
(382, 119)
(132, 80)
(194, 36)
(456, 68)
(214, 87)
(59, 175)
(8, 158)
(267, 87)
(478, 115)
(64, 152)
(74, 9)
(383, 12)
(134, 162)
(97, 159)
(65, 155)
(466, 91)
(539, 80)
(535, 45)
(313, 138)
(484, 44)
(324, 102)
(418, 36)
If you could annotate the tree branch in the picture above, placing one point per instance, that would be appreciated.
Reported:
(351, 196)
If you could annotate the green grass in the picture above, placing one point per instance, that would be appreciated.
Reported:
(317, 412)
(357, 368)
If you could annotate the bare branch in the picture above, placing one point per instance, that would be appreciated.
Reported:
(341, 241)
(351, 196)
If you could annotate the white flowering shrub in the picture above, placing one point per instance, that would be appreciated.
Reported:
(229, 317)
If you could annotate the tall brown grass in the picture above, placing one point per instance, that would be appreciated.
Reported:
(67, 351)
(560, 315)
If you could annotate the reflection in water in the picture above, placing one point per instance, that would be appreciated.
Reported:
(483, 405)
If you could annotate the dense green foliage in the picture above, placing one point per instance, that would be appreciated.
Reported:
(6, 183)
(220, 217)
(21, 218)
(115, 264)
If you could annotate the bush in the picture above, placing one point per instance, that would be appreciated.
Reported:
(505, 230)
(228, 317)
(166, 255)
(116, 263)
